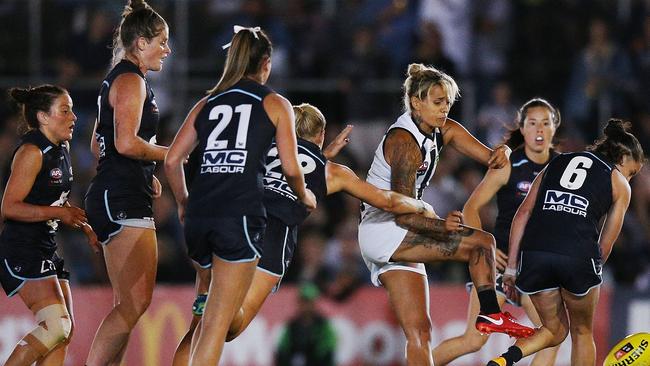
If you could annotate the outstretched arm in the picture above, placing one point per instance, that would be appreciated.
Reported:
(342, 178)
(456, 135)
(339, 143)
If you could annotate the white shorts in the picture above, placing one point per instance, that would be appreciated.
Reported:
(379, 238)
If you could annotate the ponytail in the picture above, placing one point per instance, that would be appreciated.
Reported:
(246, 53)
(618, 142)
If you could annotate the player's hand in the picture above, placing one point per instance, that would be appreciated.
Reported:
(157, 187)
(499, 157)
(502, 260)
(92, 237)
(453, 221)
(428, 211)
(339, 143)
(309, 199)
(72, 216)
(509, 287)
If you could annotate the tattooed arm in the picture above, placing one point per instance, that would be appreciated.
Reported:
(403, 155)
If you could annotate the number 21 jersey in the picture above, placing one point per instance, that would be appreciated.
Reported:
(234, 133)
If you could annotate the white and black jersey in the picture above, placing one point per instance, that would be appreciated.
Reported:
(430, 145)
(574, 195)
(279, 199)
(234, 134)
(51, 188)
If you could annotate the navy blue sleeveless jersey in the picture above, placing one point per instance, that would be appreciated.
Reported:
(51, 188)
(234, 133)
(574, 195)
(121, 175)
(279, 199)
(522, 173)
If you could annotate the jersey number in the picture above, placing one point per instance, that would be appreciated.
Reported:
(307, 164)
(223, 115)
(575, 173)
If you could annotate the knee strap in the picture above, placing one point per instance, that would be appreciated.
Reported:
(57, 327)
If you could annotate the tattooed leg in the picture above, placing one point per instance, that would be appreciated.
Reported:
(434, 243)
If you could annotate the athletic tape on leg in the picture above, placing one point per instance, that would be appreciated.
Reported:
(57, 325)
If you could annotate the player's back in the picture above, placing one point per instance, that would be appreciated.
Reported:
(234, 133)
(279, 199)
(575, 193)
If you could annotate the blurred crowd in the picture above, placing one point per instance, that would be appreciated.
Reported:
(348, 57)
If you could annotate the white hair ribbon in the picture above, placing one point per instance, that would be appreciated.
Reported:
(236, 29)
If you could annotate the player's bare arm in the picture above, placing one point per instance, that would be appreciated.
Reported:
(404, 157)
(621, 193)
(454, 134)
(127, 95)
(341, 178)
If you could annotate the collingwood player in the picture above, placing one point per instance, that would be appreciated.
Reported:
(224, 214)
(558, 245)
(34, 202)
(395, 247)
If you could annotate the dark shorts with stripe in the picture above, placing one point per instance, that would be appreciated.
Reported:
(280, 243)
(542, 271)
(20, 263)
(232, 239)
(108, 213)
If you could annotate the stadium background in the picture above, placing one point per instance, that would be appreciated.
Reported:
(348, 57)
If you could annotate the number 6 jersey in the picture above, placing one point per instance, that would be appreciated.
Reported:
(234, 133)
(574, 195)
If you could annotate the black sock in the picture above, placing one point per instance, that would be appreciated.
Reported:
(513, 355)
(488, 300)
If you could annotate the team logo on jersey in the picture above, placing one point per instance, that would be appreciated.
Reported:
(423, 168)
(224, 161)
(154, 106)
(565, 202)
(47, 266)
(524, 187)
(121, 215)
(18, 268)
(56, 174)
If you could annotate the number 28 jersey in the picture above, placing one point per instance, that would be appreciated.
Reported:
(574, 195)
(234, 133)
(279, 199)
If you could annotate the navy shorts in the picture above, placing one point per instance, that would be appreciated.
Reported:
(107, 214)
(232, 239)
(21, 263)
(542, 271)
(279, 246)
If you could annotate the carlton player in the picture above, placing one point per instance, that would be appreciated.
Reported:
(558, 246)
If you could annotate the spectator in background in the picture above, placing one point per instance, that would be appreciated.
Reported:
(599, 80)
(641, 64)
(494, 117)
(309, 338)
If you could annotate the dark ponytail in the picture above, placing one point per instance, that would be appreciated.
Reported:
(34, 100)
(618, 142)
(515, 138)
